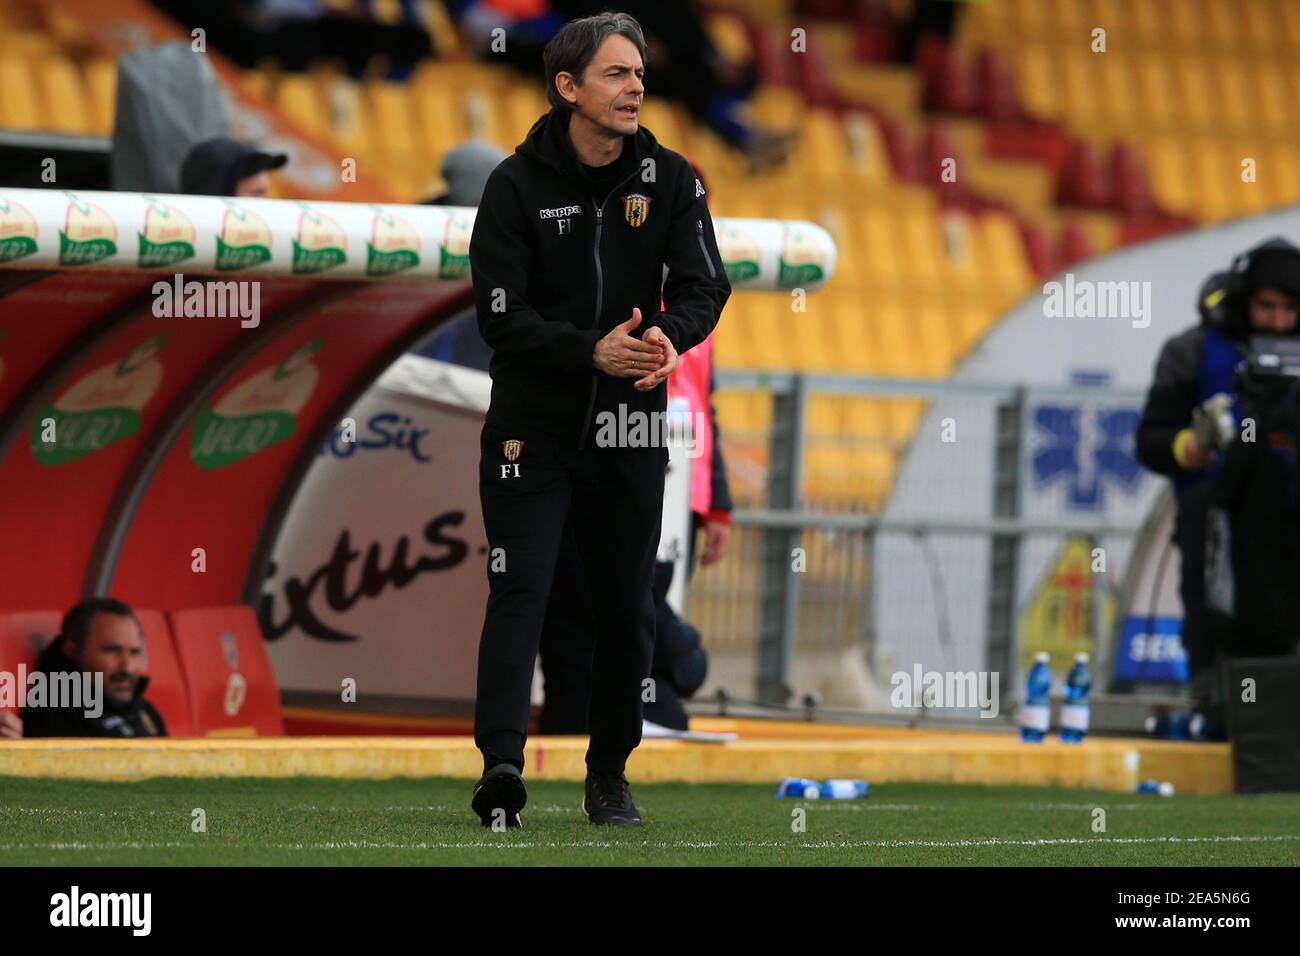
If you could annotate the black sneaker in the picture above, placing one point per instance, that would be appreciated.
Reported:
(609, 802)
(500, 788)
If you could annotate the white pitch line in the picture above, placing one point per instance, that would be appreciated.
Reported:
(661, 845)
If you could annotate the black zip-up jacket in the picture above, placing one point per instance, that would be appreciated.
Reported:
(1173, 395)
(555, 267)
(136, 718)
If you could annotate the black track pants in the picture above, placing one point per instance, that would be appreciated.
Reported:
(615, 498)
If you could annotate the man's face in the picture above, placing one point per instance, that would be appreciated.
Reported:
(115, 647)
(1273, 311)
(611, 90)
(257, 185)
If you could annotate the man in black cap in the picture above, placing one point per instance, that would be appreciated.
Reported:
(1195, 379)
(227, 167)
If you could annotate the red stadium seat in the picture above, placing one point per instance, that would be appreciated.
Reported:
(223, 657)
(167, 690)
(23, 635)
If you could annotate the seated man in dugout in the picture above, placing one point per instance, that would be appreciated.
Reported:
(102, 644)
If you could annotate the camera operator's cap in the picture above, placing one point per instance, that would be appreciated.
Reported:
(1274, 268)
(215, 166)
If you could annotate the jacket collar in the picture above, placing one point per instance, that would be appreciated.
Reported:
(548, 143)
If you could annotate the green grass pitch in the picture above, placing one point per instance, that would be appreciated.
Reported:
(313, 821)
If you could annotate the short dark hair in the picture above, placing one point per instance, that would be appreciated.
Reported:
(76, 623)
(574, 47)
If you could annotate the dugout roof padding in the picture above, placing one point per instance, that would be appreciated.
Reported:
(132, 433)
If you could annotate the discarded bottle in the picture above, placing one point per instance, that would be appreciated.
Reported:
(1036, 714)
(1074, 710)
(844, 790)
(798, 788)
(1175, 726)
(1164, 788)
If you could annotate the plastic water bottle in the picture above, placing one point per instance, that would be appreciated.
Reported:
(1036, 714)
(844, 790)
(798, 788)
(1074, 710)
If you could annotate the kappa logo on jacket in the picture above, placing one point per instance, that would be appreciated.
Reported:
(558, 212)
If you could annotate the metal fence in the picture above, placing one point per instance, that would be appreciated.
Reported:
(883, 524)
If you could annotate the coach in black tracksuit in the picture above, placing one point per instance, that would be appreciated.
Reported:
(568, 254)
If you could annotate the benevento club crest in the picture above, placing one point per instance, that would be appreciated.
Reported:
(636, 209)
(513, 449)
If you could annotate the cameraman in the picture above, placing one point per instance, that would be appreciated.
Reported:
(1183, 423)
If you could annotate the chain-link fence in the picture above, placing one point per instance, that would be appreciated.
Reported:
(885, 525)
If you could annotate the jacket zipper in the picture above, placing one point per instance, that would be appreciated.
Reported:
(699, 230)
(600, 296)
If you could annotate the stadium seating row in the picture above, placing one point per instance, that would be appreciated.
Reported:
(1201, 86)
(1258, 27)
(209, 673)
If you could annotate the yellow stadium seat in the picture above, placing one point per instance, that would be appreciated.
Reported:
(851, 338)
(1115, 88)
(1167, 162)
(66, 108)
(822, 149)
(1222, 20)
(1286, 24)
(300, 98)
(524, 105)
(1036, 82)
(1217, 176)
(101, 82)
(350, 120)
(770, 332)
(660, 118)
(1002, 253)
(31, 44)
(399, 138)
(20, 107)
(1078, 73)
(1149, 22)
(1268, 96)
(1286, 173)
(1196, 96)
(442, 115)
(891, 323)
(1237, 109)
(1259, 25)
(868, 158)
(1155, 91)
